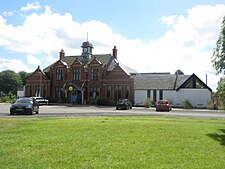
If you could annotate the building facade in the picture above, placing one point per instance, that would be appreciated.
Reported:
(89, 78)
(176, 88)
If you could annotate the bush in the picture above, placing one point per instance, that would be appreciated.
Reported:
(211, 105)
(186, 104)
(10, 98)
(148, 103)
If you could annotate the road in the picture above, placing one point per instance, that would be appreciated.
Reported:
(81, 111)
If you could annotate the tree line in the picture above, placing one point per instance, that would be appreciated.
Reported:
(10, 81)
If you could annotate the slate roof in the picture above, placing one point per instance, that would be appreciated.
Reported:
(105, 59)
(158, 81)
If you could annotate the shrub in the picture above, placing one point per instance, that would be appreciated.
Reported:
(148, 103)
(186, 104)
(10, 98)
(211, 105)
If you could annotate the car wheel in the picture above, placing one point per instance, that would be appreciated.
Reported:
(116, 108)
(31, 112)
(11, 113)
(37, 112)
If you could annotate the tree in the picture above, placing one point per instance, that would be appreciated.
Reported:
(179, 72)
(10, 81)
(218, 58)
(24, 75)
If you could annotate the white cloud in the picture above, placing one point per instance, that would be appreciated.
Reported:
(168, 20)
(8, 13)
(187, 44)
(13, 64)
(30, 6)
(33, 60)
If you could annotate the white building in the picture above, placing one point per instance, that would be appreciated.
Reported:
(176, 88)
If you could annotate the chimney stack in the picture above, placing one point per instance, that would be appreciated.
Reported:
(115, 52)
(61, 54)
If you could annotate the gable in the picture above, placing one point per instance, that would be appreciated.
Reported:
(118, 73)
(193, 82)
(76, 63)
(94, 62)
(37, 74)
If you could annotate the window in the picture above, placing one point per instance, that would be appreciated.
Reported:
(149, 94)
(57, 92)
(160, 95)
(59, 74)
(76, 74)
(154, 95)
(127, 91)
(94, 93)
(117, 92)
(37, 90)
(94, 74)
(109, 92)
(45, 91)
(30, 90)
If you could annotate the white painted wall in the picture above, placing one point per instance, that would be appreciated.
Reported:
(140, 96)
(197, 97)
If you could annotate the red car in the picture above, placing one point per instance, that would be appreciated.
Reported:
(163, 105)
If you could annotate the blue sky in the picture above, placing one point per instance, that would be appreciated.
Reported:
(151, 36)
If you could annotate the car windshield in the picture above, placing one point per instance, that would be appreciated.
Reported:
(162, 102)
(24, 101)
(122, 101)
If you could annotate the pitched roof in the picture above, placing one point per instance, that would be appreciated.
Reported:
(128, 70)
(105, 59)
(158, 81)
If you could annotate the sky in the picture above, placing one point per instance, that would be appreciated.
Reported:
(150, 35)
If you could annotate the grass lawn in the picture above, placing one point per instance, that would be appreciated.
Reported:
(112, 142)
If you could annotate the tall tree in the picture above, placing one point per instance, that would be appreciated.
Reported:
(24, 75)
(218, 58)
(10, 81)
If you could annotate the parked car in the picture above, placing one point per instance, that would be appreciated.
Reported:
(123, 104)
(24, 106)
(41, 100)
(163, 105)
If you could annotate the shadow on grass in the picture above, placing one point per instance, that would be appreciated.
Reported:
(220, 137)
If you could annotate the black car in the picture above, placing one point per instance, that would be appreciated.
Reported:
(124, 104)
(41, 100)
(24, 106)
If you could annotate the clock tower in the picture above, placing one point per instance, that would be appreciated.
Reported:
(86, 51)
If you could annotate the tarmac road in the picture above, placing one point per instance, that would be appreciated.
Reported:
(89, 111)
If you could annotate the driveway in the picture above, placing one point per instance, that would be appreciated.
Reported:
(80, 111)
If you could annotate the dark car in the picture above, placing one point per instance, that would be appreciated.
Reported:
(163, 105)
(24, 106)
(41, 100)
(124, 104)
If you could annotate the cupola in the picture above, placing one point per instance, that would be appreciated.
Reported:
(86, 51)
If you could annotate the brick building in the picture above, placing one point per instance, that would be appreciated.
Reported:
(89, 77)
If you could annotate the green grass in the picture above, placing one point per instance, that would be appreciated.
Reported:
(112, 142)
